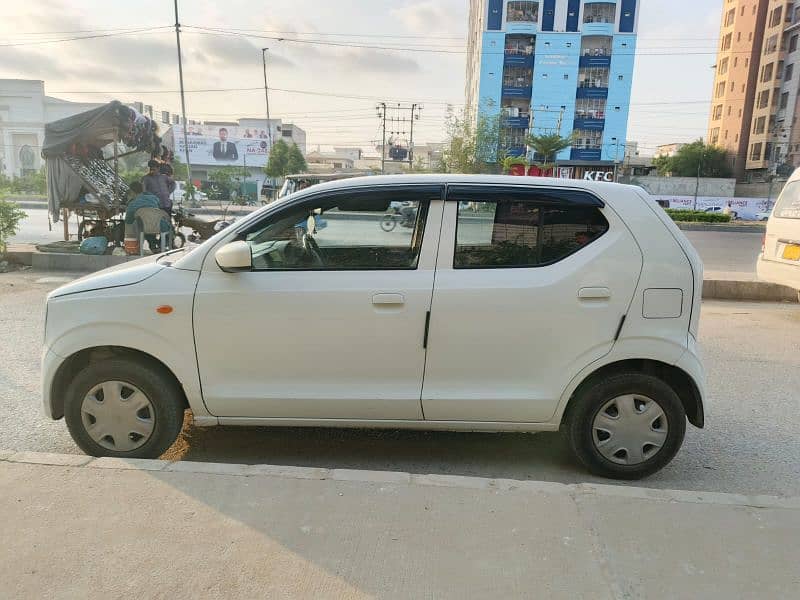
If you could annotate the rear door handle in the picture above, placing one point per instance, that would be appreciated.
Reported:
(384, 299)
(594, 293)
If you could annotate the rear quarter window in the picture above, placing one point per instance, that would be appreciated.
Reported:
(788, 204)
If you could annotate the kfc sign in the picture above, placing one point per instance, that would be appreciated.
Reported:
(599, 176)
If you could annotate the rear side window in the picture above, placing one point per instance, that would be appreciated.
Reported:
(511, 233)
(788, 204)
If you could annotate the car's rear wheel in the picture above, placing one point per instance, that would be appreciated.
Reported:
(626, 426)
(124, 408)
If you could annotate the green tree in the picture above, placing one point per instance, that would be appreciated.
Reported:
(296, 162)
(224, 181)
(10, 216)
(546, 147)
(278, 163)
(31, 183)
(180, 172)
(473, 145)
(712, 161)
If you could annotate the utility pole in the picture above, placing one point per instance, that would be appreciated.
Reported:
(183, 98)
(697, 183)
(382, 116)
(266, 94)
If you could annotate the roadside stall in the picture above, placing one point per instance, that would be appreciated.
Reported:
(82, 155)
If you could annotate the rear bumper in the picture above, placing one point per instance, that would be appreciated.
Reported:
(773, 271)
(50, 363)
(692, 364)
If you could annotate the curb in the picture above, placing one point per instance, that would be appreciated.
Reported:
(724, 227)
(755, 291)
(574, 490)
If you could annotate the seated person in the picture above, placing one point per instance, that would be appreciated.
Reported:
(141, 200)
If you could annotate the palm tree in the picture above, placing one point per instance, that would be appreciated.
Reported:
(548, 146)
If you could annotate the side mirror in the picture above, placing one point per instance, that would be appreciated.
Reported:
(235, 256)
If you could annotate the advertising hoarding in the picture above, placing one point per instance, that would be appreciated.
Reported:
(221, 146)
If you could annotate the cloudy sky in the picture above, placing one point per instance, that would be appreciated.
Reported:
(420, 58)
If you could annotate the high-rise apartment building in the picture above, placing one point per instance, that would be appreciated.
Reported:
(754, 103)
(555, 66)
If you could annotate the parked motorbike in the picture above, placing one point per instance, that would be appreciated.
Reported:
(201, 228)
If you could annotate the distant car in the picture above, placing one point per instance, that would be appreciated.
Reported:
(721, 210)
(779, 261)
(560, 304)
(179, 195)
(763, 216)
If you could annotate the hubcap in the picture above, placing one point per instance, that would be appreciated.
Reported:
(118, 416)
(630, 429)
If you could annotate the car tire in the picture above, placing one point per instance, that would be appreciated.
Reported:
(648, 412)
(157, 425)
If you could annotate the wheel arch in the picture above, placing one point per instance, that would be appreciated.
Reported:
(679, 380)
(77, 361)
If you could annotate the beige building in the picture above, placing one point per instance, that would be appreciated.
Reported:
(755, 95)
(737, 77)
(668, 150)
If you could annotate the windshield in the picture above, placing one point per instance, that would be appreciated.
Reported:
(788, 204)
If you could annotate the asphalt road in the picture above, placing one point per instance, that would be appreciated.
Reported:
(751, 443)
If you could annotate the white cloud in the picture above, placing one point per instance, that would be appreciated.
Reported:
(427, 17)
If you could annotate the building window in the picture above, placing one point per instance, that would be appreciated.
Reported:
(519, 45)
(784, 100)
(746, 62)
(725, 135)
(593, 77)
(600, 12)
(729, 17)
(735, 61)
(720, 89)
(766, 72)
(590, 108)
(763, 99)
(726, 41)
(729, 111)
(566, 76)
(723, 66)
(522, 11)
(789, 72)
(738, 36)
(732, 85)
(587, 139)
(771, 45)
(775, 17)
(793, 43)
(755, 151)
(714, 136)
(759, 125)
(740, 113)
(518, 77)
(717, 112)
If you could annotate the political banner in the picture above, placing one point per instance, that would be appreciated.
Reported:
(224, 145)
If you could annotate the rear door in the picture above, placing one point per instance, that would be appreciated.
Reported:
(531, 286)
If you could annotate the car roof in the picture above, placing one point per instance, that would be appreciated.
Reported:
(606, 191)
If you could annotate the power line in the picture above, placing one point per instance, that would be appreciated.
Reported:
(87, 37)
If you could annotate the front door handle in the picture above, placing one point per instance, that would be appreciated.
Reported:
(384, 299)
(594, 293)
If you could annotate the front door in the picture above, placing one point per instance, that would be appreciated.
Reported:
(330, 321)
(531, 286)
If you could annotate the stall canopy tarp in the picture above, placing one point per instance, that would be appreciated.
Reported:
(62, 183)
(96, 126)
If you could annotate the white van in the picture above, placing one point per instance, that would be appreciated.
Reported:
(779, 261)
(508, 304)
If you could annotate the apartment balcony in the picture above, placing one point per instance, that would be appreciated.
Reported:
(585, 154)
(592, 92)
(518, 59)
(603, 62)
(517, 122)
(517, 90)
(598, 28)
(590, 123)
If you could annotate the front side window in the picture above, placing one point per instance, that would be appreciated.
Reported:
(359, 232)
(511, 233)
(522, 11)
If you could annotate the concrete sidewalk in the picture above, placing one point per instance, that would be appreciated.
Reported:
(76, 527)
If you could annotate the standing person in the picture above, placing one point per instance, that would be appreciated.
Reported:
(160, 185)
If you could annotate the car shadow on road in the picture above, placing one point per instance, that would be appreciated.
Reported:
(504, 455)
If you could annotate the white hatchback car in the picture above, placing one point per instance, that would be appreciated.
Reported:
(511, 305)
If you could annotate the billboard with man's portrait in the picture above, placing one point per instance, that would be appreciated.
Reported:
(223, 145)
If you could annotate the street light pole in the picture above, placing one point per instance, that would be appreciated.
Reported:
(697, 182)
(266, 99)
(183, 98)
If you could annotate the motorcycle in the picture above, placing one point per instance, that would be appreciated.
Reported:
(404, 215)
(201, 228)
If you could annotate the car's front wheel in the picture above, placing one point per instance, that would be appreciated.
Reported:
(626, 426)
(126, 408)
